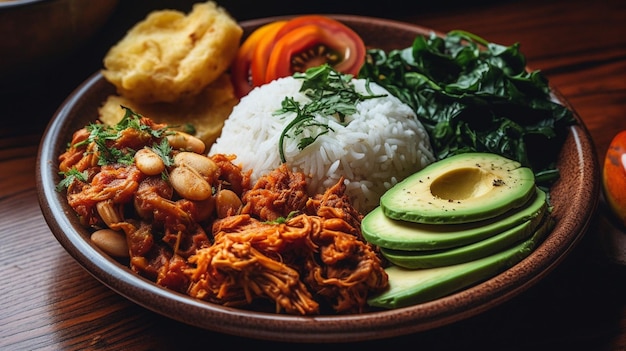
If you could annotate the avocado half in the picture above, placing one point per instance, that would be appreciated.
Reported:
(393, 234)
(459, 189)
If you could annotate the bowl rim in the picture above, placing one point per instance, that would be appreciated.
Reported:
(20, 3)
(324, 328)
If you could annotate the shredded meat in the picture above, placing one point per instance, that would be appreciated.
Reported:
(276, 195)
(157, 260)
(307, 258)
(111, 182)
(245, 263)
(335, 201)
(300, 254)
(230, 176)
(77, 155)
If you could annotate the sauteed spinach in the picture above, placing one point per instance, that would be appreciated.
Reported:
(473, 95)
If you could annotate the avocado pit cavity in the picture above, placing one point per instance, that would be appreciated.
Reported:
(464, 183)
(462, 188)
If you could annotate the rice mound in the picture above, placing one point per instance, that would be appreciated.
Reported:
(382, 144)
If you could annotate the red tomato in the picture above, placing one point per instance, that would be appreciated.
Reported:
(262, 53)
(242, 66)
(614, 176)
(309, 41)
(280, 49)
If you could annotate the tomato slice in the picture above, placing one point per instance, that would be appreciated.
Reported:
(281, 48)
(241, 69)
(262, 52)
(312, 40)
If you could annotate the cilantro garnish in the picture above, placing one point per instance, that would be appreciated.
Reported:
(132, 119)
(189, 128)
(281, 220)
(69, 177)
(164, 150)
(101, 134)
(332, 96)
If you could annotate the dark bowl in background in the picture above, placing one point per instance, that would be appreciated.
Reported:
(38, 34)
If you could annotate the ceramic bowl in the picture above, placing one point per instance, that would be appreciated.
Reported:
(574, 198)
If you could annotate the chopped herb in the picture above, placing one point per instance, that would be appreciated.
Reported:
(69, 177)
(109, 155)
(101, 134)
(332, 96)
(164, 150)
(281, 220)
(132, 119)
(189, 128)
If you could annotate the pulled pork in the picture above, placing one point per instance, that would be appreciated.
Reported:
(306, 260)
(280, 248)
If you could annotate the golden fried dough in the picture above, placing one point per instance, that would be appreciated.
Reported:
(201, 115)
(170, 55)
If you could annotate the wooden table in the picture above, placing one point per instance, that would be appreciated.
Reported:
(47, 301)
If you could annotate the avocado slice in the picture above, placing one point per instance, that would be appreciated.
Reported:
(413, 286)
(471, 252)
(461, 188)
(388, 233)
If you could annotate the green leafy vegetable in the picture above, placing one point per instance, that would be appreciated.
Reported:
(164, 150)
(472, 95)
(281, 220)
(132, 120)
(69, 177)
(102, 134)
(331, 94)
(189, 128)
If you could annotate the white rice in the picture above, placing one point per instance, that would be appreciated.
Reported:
(383, 143)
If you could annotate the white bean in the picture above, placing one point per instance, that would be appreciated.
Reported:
(202, 164)
(184, 141)
(111, 242)
(189, 184)
(109, 213)
(148, 162)
(227, 203)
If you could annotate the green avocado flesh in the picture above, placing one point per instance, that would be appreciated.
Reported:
(491, 245)
(462, 188)
(392, 234)
(413, 286)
